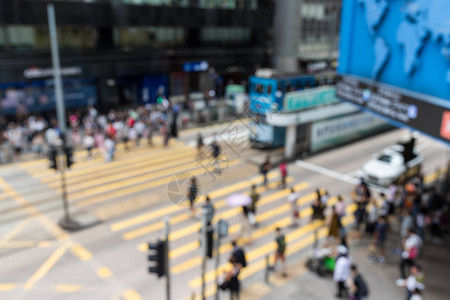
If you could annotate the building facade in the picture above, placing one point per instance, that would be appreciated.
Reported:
(127, 52)
(319, 33)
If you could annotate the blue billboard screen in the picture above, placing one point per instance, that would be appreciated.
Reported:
(402, 45)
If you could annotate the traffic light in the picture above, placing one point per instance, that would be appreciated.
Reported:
(158, 254)
(52, 158)
(69, 156)
(408, 150)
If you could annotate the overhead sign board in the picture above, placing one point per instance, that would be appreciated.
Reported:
(399, 106)
(299, 100)
(35, 72)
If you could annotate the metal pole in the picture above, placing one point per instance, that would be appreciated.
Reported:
(167, 271)
(217, 246)
(62, 172)
(60, 109)
(205, 238)
(266, 274)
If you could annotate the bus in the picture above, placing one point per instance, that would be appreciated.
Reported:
(266, 93)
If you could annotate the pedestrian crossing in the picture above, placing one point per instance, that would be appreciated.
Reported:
(132, 175)
(140, 171)
(185, 256)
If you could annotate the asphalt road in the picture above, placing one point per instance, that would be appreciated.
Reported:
(129, 198)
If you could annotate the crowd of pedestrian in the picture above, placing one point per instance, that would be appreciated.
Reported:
(90, 129)
(417, 211)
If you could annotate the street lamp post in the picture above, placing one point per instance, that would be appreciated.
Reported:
(66, 222)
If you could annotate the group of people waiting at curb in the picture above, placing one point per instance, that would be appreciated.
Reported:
(90, 129)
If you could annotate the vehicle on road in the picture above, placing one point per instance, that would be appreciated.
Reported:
(392, 165)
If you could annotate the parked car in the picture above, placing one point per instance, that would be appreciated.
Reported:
(389, 166)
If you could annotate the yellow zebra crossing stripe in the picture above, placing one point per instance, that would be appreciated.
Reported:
(186, 230)
(195, 261)
(155, 214)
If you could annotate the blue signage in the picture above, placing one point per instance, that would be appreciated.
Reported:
(196, 66)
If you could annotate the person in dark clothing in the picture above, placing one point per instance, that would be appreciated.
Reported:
(265, 167)
(192, 195)
(280, 251)
(379, 240)
(318, 211)
(358, 286)
(232, 280)
(239, 254)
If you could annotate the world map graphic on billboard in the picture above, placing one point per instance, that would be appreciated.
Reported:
(404, 43)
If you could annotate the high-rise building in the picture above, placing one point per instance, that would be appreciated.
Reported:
(126, 52)
(319, 33)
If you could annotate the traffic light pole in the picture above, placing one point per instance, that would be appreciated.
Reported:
(66, 222)
(63, 184)
(167, 271)
(217, 246)
(205, 247)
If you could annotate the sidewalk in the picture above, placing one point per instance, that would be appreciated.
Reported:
(303, 284)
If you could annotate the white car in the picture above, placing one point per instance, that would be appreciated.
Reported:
(388, 166)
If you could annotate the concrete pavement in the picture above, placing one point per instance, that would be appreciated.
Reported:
(108, 261)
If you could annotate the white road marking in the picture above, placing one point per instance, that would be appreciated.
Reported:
(224, 137)
(326, 172)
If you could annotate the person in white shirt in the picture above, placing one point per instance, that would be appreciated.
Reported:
(413, 282)
(89, 143)
(342, 271)
(340, 207)
(411, 248)
(109, 149)
(295, 214)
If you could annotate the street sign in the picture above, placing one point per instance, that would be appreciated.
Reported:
(223, 228)
(196, 66)
(299, 100)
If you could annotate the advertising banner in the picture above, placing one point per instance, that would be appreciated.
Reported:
(330, 133)
(294, 101)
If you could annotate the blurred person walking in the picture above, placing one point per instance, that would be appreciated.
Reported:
(411, 247)
(283, 174)
(318, 210)
(264, 169)
(239, 254)
(231, 281)
(342, 272)
(280, 240)
(200, 145)
(89, 143)
(377, 251)
(292, 200)
(252, 207)
(192, 195)
(357, 285)
(334, 227)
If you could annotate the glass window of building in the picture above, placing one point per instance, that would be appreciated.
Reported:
(149, 36)
(21, 37)
(225, 34)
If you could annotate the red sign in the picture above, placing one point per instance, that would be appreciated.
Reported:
(445, 125)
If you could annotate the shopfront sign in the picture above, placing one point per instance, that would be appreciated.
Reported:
(316, 66)
(196, 66)
(300, 100)
(399, 106)
(36, 72)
